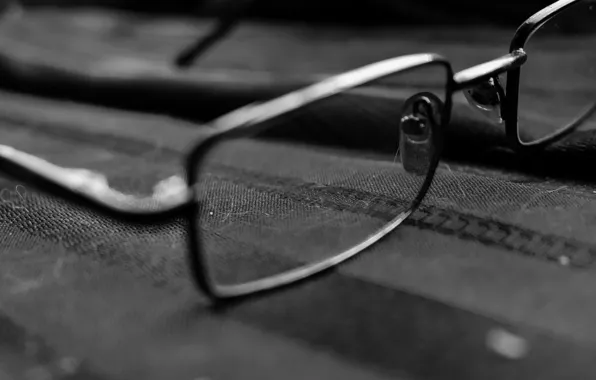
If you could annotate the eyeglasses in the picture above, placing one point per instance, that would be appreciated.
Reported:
(260, 214)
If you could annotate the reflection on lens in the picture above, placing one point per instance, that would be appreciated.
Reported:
(558, 82)
(321, 180)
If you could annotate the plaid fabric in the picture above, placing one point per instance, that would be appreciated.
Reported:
(491, 279)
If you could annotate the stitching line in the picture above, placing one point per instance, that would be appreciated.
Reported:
(449, 222)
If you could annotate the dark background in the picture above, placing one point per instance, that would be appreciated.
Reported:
(390, 12)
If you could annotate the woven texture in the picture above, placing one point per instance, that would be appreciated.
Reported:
(85, 297)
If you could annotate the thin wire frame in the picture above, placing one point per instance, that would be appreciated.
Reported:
(249, 122)
(511, 104)
(69, 185)
(243, 122)
(66, 184)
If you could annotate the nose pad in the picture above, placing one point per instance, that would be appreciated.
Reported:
(421, 113)
(488, 98)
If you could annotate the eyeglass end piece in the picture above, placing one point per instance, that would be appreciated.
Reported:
(487, 98)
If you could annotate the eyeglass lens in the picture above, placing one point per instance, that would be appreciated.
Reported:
(558, 82)
(277, 202)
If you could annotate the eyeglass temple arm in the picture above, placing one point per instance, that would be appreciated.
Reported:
(477, 74)
(85, 190)
(225, 25)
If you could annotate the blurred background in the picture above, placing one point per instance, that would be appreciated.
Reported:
(507, 12)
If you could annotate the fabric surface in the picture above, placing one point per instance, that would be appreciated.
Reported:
(84, 297)
(491, 279)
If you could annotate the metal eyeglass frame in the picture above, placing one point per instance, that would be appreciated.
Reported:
(248, 120)
(505, 111)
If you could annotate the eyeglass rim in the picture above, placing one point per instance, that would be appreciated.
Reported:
(247, 116)
(239, 123)
(243, 123)
(511, 104)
